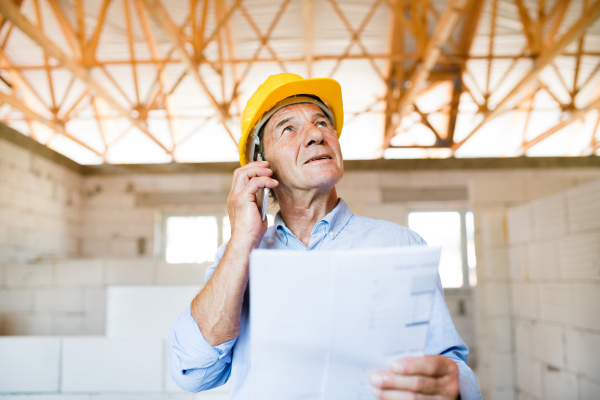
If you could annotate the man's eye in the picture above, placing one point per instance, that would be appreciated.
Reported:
(322, 123)
(287, 129)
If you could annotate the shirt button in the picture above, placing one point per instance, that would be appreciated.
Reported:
(331, 233)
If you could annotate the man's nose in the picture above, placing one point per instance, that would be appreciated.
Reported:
(313, 135)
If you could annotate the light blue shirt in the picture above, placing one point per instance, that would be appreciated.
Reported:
(196, 365)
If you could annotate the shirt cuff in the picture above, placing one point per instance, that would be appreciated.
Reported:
(189, 347)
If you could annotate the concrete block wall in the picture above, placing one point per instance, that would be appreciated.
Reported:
(69, 297)
(113, 224)
(40, 206)
(492, 195)
(554, 284)
(101, 368)
(130, 362)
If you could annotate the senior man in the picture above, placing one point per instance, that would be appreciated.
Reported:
(295, 125)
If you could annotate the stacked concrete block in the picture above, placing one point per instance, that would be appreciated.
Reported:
(521, 253)
(94, 368)
(145, 311)
(556, 294)
(495, 369)
(40, 207)
(69, 297)
(29, 364)
(130, 362)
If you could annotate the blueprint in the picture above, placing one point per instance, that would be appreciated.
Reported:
(321, 322)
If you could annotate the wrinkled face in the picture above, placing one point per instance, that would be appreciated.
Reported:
(302, 148)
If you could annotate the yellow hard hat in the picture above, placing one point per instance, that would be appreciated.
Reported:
(274, 91)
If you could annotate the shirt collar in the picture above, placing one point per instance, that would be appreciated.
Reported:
(335, 220)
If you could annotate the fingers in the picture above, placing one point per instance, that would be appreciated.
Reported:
(242, 175)
(416, 378)
(257, 183)
(430, 366)
(420, 384)
(401, 395)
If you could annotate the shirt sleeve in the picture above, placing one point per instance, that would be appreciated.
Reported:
(443, 339)
(194, 364)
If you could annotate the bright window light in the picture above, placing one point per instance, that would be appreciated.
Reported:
(226, 229)
(470, 225)
(191, 239)
(442, 229)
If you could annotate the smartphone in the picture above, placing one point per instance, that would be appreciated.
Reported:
(262, 196)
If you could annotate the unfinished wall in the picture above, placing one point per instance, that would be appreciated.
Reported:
(68, 297)
(129, 362)
(119, 210)
(554, 283)
(491, 198)
(40, 206)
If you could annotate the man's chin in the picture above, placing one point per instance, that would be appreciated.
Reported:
(326, 178)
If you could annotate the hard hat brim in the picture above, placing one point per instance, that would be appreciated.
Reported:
(326, 89)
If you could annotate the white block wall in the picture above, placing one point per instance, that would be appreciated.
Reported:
(93, 368)
(497, 298)
(129, 363)
(145, 312)
(40, 206)
(69, 297)
(554, 285)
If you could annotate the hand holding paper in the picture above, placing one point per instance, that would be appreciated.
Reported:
(321, 323)
(430, 375)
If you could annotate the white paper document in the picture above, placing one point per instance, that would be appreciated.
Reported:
(321, 322)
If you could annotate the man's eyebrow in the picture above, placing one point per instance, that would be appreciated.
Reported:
(320, 115)
(282, 122)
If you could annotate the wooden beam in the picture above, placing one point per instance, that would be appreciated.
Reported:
(232, 55)
(162, 79)
(128, 23)
(217, 28)
(202, 30)
(472, 17)
(445, 59)
(264, 39)
(159, 13)
(92, 44)
(561, 9)
(431, 55)
(395, 69)
(65, 117)
(355, 36)
(545, 58)
(491, 48)
(425, 122)
(13, 15)
(67, 29)
(457, 90)
(308, 22)
(94, 102)
(80, 24)
(529, 28)
(19, 79)
(38, 14)
(54, 125)
(574, 116)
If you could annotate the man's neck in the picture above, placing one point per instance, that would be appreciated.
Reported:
(302, 211)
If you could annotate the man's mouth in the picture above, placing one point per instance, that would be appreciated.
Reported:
(317, 158)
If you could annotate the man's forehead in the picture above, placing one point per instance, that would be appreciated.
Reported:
(293, 109)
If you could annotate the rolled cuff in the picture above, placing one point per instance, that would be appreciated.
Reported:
(190, 349)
